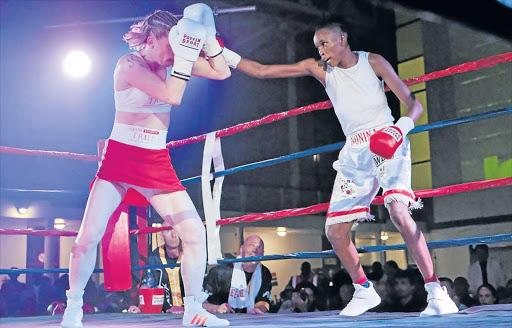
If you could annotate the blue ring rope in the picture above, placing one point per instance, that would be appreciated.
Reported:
(309, 255)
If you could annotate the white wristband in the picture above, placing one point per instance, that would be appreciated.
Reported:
(182, 68)
(405, 124)
(231, 57)
(212, 47)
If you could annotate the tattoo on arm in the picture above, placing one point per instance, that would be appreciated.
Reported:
(131, 62)
(413, 97)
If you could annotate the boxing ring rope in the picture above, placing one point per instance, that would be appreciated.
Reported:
(310, 210)
(61, 154)
(472, 186)
(438, 244)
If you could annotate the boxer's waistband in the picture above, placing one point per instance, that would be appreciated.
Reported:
(139, 136)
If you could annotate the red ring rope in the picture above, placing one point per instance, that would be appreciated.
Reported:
(463, 187)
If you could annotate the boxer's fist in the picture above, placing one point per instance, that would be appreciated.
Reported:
(385, 142)
(186, 39)
(203, 14)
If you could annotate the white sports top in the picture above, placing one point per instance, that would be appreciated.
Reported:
(357, 95)
(135, 101)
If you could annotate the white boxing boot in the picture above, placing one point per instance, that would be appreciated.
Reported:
(363, 300)
(73, 315)
(439, 302)
(196, 316)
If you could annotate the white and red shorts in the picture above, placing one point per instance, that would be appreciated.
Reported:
(360, 176)
(138, 156)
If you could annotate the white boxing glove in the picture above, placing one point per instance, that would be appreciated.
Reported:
(186, 39)
(203, 14)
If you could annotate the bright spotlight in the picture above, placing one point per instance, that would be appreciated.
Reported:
(77, 64)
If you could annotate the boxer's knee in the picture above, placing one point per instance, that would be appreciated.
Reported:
(339, 234)
(400, 215)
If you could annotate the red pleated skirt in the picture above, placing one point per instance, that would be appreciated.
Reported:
(147, 168)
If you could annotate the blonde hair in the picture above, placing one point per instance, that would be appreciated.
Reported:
(159, 23)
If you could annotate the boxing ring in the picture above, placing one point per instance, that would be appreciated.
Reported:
(495, 315)
(488, 316)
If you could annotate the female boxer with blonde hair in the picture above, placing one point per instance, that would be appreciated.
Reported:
(135, 157)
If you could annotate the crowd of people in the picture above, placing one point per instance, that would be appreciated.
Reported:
(246, 287)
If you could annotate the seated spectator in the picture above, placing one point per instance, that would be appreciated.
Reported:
(11, 293)
(116, 302)
(487, 295)
(91, 293)
(60, 286)
(376, 272)
(286, 294)
(381, 287)
(242, 286)
(333, 297)
(461, 287)
(305, 275)
(345, 292)
(302, 300)
(390, 269)
(405, 292)
(507, 293)
(450, 289)
(485, 270)
(169, 253)
(44, 291)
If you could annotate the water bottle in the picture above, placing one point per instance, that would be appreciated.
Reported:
(151, 282)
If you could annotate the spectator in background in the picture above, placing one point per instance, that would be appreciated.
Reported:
(345, 293)
(381, 287)
(461, 287)
(242, 287)
(390, 269)
(487, 295)
(60, 286)
(450, 289)
(44, 291)
(507, 293)
(485, 270)
(116, 301)
(305, 275)
(302, 300)
(11, 294)
(405, 289)
(376, 272)
(169, 253)
(286, 294)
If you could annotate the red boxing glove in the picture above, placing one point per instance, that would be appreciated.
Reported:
(385, 142)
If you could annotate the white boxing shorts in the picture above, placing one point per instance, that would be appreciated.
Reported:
(360, 176)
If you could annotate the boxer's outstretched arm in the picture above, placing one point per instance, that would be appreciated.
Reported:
(260, 71)
(307, 67)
